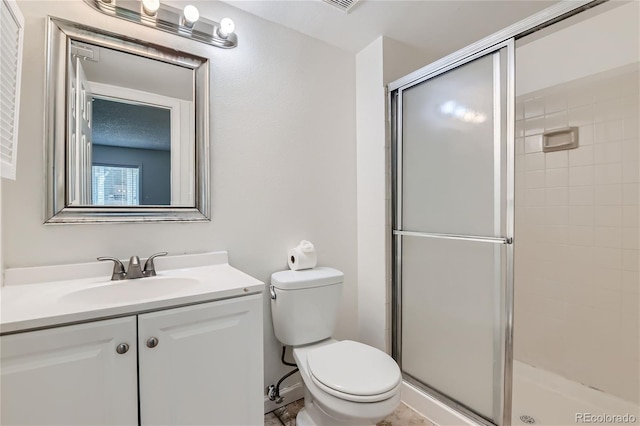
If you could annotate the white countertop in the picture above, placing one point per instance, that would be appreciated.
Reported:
(44, 296)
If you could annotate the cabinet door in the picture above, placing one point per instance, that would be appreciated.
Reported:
(206, 368)
(70, 375)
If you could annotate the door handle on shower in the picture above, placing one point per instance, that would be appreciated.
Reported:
(494, 240)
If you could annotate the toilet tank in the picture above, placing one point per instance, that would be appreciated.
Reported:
(304, 304)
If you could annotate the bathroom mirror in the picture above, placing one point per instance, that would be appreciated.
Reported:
(126, 129)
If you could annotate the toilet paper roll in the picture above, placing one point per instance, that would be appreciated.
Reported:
(302, 257)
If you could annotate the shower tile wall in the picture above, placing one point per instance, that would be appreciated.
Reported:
(577, 284)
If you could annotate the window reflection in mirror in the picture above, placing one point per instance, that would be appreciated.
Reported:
(130, 130)
(115, 185)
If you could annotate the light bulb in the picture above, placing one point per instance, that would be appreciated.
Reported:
(226, 27)
(191, 15)
(150, 7)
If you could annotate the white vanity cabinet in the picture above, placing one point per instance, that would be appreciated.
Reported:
(70, 375)
(202, 364)
(198, 364)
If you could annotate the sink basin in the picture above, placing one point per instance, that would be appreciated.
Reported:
(127, 291)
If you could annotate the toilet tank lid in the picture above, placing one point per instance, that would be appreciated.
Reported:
(306, 278)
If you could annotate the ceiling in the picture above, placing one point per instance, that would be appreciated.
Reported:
(435, 27)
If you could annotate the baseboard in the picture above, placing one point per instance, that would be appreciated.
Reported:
(290, 394)
(434, 410)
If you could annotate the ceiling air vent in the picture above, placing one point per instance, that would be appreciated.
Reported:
(345, 5)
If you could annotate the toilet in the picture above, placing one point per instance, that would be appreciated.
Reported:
(345, 382)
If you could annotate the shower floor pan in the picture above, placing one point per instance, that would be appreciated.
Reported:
(544, 398)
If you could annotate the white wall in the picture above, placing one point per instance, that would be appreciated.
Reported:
(372, 270)
(282, 152)
(611, 37)
(577, 283)
(401, 59)
(1, 253)
(383, 61)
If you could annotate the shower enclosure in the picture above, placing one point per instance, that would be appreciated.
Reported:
(454, 261)
(464, 145)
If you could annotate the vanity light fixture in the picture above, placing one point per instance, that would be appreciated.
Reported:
(150, 7)
(191, 16)
(185, 22)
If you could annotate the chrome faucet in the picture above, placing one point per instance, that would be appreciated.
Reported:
(134, 270)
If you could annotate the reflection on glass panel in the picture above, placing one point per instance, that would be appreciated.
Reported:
(449, 153)
(115, 186)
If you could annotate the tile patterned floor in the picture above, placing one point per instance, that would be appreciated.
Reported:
(403, 416)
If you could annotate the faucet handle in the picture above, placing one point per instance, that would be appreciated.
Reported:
(118, 268)
(149, 268)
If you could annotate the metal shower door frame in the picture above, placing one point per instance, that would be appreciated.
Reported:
(504, 331)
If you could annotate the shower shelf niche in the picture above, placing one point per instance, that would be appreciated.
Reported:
(560, 139)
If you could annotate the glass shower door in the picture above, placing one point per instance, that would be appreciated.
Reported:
(453, 227)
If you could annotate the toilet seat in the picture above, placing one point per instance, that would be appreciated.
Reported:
(354, 372)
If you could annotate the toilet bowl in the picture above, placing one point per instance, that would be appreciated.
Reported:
(345, 382)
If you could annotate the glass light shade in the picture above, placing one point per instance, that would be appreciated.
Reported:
(150, 7)
(226, 27)
(191, 15)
